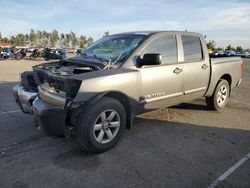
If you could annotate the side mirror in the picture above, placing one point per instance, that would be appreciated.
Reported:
(150, 59)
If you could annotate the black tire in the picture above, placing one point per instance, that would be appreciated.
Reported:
(32, 57)
(46, 58)
(88, 119)
(212, 102)
(17, 57)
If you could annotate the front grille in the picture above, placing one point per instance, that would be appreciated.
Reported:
(40, 77)
(29, 81)
(70, 86)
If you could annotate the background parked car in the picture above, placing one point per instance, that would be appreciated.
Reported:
(8, 53)
(35, 54)
(2, 55)
(54, 54)
(230, 53)
(19, 54)
(72, 50)
(218, 53)
(247, 54)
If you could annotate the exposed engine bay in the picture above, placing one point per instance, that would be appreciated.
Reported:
(64, 68)
(55, 77)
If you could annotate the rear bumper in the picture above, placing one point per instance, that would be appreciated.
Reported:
(51, 118)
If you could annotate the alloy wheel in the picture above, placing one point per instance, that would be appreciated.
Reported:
(106, 126)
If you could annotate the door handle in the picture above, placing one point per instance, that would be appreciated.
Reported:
(204, 66)
(177, 70)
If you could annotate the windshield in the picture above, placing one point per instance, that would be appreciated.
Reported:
(114, 48)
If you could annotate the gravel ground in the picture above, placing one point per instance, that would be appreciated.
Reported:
(181, 146)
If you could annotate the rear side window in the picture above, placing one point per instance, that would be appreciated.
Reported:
(192, 48)
(164, 45)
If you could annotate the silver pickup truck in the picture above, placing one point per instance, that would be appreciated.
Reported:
(98, 92)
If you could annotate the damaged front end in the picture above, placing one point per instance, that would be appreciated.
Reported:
(48, 91)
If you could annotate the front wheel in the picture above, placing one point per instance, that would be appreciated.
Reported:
(219, 99)
(100, 127)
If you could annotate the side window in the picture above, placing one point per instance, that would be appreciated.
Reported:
(164, 45)
(192, 48)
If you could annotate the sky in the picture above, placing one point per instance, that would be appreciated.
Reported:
(225, 21)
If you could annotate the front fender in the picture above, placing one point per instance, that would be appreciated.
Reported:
(100, 82)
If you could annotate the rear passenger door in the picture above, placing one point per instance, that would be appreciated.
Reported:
(196, 68)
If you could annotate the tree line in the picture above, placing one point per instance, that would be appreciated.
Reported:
(54, 39)
(44, 39)
(212, 46)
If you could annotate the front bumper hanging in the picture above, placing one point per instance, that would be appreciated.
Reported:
(51, 117)
(24, 98)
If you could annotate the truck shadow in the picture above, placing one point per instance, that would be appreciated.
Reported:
(198, 104)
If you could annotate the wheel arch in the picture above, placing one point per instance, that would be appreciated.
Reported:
(215, 81)
(130, 105)
(127, 103)
(228, 78)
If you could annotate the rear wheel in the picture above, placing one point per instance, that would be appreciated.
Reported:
(101, 126)
(32, 56)
(46, 58)
(219, 99)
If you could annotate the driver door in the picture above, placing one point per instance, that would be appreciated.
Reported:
(161, 85)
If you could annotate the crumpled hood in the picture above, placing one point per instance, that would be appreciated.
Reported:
(86, 60)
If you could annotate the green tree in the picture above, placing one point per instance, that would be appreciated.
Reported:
(106, 34)
(46, 39)
(82, 41)
(62, 36)
(39, 34)
(33, 38)
(43, 39)
(239, 49)
(219, 48)
(73, 39)
(5, 39)
(27, 38)
(90, 40)
(68, 40)
(229, 47)
(20, 40)
(13, 39)
(54, 37)
(211, 45)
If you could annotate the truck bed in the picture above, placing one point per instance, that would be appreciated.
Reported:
(230, 67)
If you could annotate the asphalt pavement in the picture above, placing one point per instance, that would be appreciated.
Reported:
(182, 146)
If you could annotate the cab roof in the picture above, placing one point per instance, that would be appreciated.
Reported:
(149, 33)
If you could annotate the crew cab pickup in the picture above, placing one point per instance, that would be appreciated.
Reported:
(97, 93)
